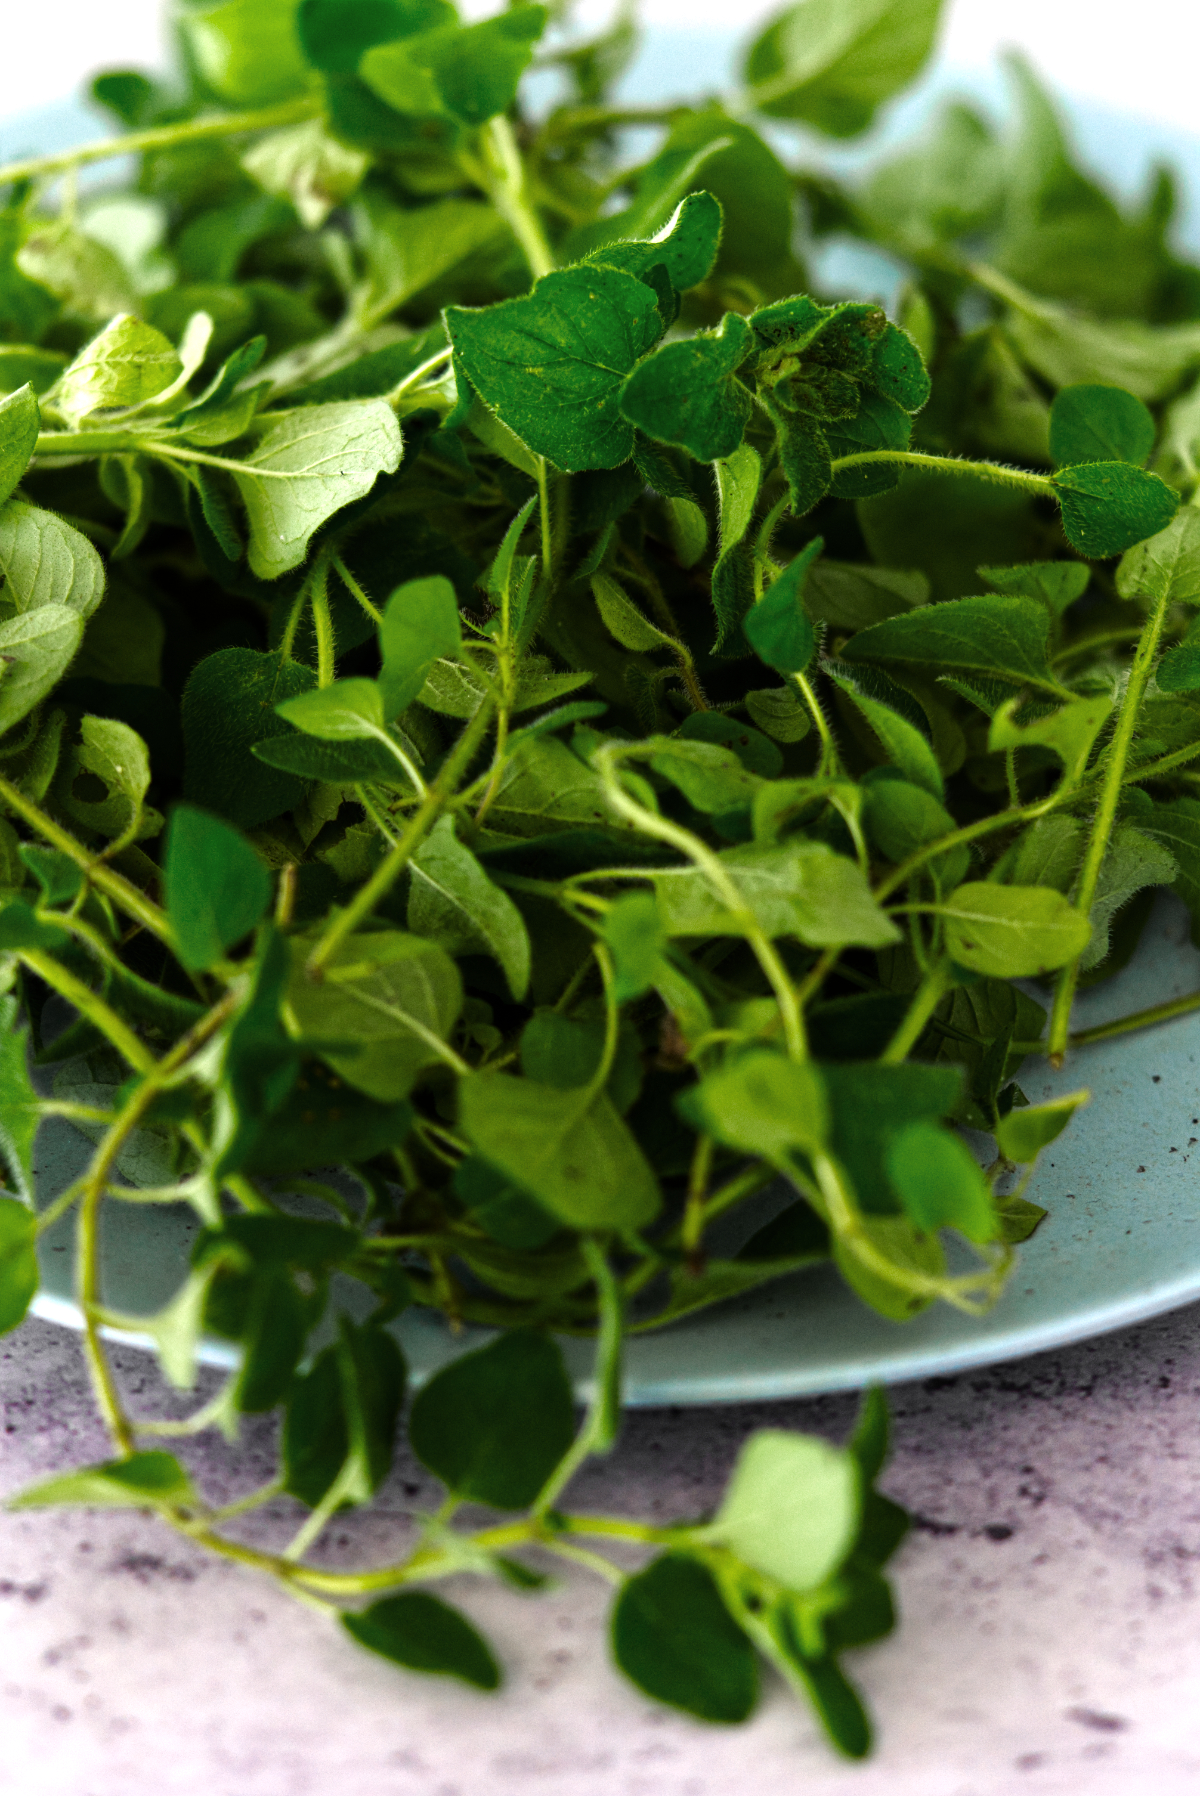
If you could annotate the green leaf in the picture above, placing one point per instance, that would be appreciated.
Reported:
(686, 246)
(36, 648)
(870, 1103)
(217, 889)
(761, 1103)
(1132, 862)
(545, 786)
(778, 627)
(248, 50)
(903, 744)
(1107, 507)
(1013, 932)
(304, 164)
(408, 250)
(635, 938)
(20, 421)
(572, 1152)
(552, 364)
(345, 1408)
(347, 711)
(469, 72)
(1023, 1133)
(495, 1423)
(18, 1101)
(1165, 565)
(780, 713)
(1070, 733)
(391, 998)
(796, 888)
(939, 1182)
(336, 33)
(908, 1249)
(710, 777)
(422, 1633)
(342, 763)
(82, 273)
(831, 63)
(141, 1481)
(1177, 825)
(324, 1122)
(128, 364)
(674, 1637)
(739, 477)
(19, 1276)
(622, 619)
(1059, 583)
(229, 705)
(20, 928)
(307, 466)
(420, 625)
(792, 1507)
(1005, 635)
(452, 901)
(116, 757)
(1179, 669)
(688, 393)
(1099, 423)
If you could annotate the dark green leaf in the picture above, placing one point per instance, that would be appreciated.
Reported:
(422, 1633)
(552, 365)
(686, 246)
(217, 889)
(229, 705)
(778, 627)
(1093, 423)
(18, 1225)
(494, 1424)
(674, 1637)
(1107, 507)
(1005, 635)
(688, 393)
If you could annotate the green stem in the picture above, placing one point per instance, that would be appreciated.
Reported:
(394, 863)
(829, 756)
(323, 625)
(928, 996)
(948, 464)
(90, 1005)
(352, 586)
(123, 893)
(161, 137)
(718, 875)
(500, 172)
(1106, 814)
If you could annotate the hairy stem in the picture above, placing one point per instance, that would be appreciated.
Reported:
(122, 891)
(949, 464)
(1106, 814)
(161, 137)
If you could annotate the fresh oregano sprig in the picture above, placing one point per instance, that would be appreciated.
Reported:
(520, 727)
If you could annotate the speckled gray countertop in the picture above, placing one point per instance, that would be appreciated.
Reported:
(1049, 1643)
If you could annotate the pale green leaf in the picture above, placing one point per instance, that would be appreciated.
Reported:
(453, 902)
(791, 1508)
(46, 561)
(307, 466)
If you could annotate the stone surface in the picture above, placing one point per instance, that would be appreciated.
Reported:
(1049, 1641)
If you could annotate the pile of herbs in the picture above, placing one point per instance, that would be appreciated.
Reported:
(519, 726)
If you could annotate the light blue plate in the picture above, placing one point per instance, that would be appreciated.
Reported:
(1121, 1242)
